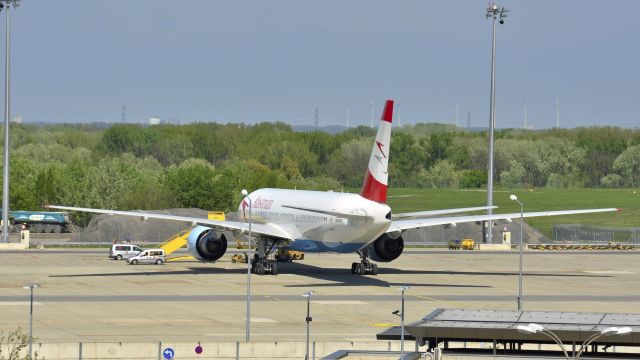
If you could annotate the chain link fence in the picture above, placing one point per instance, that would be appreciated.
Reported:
(589, 234)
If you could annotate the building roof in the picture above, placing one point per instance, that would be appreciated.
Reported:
(500, 325)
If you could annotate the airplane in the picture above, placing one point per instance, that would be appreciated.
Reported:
(319, 221)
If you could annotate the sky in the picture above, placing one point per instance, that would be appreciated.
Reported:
(256, 60)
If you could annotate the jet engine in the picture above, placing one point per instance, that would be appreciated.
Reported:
(205, 244)
(386, 249)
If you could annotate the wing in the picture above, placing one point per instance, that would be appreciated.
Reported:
(399, 225)
(236, 226)
(432, 213)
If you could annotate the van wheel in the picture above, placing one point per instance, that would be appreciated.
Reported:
(158, 262)
(134, 262)
(118, 257)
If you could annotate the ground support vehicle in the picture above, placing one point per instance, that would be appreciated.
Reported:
(123, 251)
(149, 256)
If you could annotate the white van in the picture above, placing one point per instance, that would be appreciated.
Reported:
(123, 251)
(150, 256)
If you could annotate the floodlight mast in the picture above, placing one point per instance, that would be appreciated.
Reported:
(494, 12)
(5, 174)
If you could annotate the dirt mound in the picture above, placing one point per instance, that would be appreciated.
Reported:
(109, 228)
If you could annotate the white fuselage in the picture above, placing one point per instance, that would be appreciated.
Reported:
(321, 228)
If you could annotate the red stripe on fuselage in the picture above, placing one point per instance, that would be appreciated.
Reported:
(373, 189)
(387, 113)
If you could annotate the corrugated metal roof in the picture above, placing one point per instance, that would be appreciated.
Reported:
(484, 325)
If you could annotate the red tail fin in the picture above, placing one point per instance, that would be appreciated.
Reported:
(374, 186)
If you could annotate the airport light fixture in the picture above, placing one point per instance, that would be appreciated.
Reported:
(307, 294)
(610, 331)
(494, 12)
(515, 198)
(536, 328)
(6, 5)
(31, 287)
(402, 289)
(245, 194)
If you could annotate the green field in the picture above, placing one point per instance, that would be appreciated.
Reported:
(407, 200)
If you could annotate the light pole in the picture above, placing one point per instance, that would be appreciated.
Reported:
(536, 328)
(493, 11)
(5, 174)
(515, 198)
(307, 294)
(604, 332)
(245, 193)
(402, 289)
(31, 287)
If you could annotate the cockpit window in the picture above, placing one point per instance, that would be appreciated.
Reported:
(388, 217)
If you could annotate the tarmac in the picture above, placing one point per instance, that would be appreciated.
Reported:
(87, 297)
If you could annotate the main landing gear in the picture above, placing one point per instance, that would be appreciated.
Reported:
(364, 267)
(261, 264)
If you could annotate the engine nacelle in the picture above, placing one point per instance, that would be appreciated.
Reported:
(205, 244)
(386, 249)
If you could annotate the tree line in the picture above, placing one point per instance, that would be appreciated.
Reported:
(205, 165)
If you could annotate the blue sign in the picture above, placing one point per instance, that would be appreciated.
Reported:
(168, 353)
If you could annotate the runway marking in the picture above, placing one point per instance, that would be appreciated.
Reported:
(253, 333)
(340, 302)
(18, 303)
(384, 325)
(261, 320)
(608, 272)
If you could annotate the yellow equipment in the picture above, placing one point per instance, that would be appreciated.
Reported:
(215, 215)
(289, 255)
(175, 242)
(239, 258)
(467, 244)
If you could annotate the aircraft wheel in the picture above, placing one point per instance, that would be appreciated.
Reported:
(353, 267)
(259, 268)
(274, 268)
(374, 269)
(359, 269)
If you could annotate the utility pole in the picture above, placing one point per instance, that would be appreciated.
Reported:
(468, 119)
(371, 114)
(457, 115)
(6, 4)
(124, 113)
(557, 114)
(493, 12)
(525, 115)
(316, 118)
(348, 114)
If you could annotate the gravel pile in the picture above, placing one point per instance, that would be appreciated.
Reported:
(109, 228)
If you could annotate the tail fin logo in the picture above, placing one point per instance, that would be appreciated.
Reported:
(380, 145)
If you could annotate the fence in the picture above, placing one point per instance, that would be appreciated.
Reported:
(588, 234)
(209, 350)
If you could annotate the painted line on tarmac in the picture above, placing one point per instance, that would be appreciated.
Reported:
(340, 302)
(18, 303)
(296, 298)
